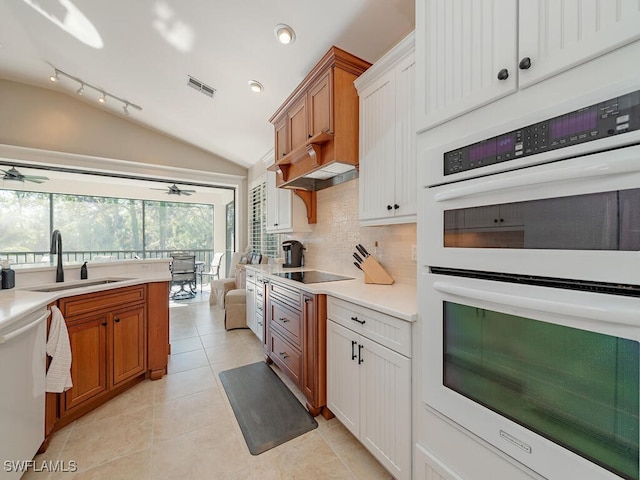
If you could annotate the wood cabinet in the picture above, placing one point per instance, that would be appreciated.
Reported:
(388, 187)
(295, 340)
(317, 126)
(369, 380)
(108, 342)
(117, 338)
(472, 53)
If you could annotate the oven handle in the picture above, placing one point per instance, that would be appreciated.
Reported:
(608, 163)
(620, 315)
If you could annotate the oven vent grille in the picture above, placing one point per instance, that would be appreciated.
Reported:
(201, 87)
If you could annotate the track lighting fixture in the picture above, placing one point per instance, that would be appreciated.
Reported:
(126, 104)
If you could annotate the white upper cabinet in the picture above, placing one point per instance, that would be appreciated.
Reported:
(557, 35)
(465, 53)
(285, 212)
(472, 52)
(388, 192)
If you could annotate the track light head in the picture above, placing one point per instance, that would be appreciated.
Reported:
(54, 77)
(80, 91)
(125, 109)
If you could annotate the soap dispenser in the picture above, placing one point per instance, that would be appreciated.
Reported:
(83, 271)
(8, 275)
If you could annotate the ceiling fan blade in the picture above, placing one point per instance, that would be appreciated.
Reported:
(35, 178)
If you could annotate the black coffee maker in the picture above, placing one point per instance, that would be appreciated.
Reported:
(292, 253)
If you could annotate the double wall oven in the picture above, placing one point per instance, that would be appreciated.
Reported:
(530, 253)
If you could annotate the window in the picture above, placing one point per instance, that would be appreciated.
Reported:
(259, 240)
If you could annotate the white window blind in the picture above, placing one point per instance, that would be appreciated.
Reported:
(259, 240)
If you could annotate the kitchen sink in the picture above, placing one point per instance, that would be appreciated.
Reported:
(69, 286)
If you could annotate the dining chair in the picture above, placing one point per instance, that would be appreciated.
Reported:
(214, 268)
(183, 274)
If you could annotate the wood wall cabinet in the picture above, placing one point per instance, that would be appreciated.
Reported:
(369, 381)
(317, 126)
(388, 187)
(295, 340)
(118, 337)
(470, 53)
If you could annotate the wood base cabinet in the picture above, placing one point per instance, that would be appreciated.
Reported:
(118, 337)
(296, 340)
(369, 387)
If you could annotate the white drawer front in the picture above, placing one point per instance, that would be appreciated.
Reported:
(384, 329)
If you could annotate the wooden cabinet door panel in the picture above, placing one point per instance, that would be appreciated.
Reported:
(385, 393)
(128, 351)
(88, 339)
(319, 103)
(297, 121)
(343, 374)
(559, 35)
(282, 139)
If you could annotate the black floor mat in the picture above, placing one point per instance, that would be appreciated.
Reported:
(269, 414)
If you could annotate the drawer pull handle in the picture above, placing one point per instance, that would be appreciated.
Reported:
(284, 355)
(353, 353)
(284, 320)
(360, 358)
(361, 322)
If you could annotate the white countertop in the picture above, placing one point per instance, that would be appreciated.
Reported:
(17, 302)
(397, 300)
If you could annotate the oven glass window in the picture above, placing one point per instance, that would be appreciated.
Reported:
(598, 221)
(577, 388)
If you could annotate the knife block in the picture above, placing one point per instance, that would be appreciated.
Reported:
(374, 272)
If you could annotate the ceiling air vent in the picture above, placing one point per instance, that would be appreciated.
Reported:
(201, 87)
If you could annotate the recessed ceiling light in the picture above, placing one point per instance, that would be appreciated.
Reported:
(284, 34)
(255, 86)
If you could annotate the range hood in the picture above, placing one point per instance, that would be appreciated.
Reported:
(324, 177)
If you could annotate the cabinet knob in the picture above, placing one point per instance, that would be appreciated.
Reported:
(310, 135)
(503, 74)
(117, 320)
(396, 206)
(283, 154)
(525, 63)
(389, 207)
(104, 324)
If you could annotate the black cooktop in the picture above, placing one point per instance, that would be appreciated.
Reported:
(312, 276)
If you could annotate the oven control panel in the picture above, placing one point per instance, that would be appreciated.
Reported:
(613, 117)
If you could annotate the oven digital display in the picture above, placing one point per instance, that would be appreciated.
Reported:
(492, 147)
(574, 123)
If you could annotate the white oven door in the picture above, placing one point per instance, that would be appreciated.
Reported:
(577, 218)
(549, 376)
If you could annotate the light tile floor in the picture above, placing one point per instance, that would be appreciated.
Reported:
(182, 426)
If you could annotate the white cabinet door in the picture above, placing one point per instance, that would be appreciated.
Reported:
(461, 48)
(557, 35)
(343, 387)
(385, 400)
(278, 206)
(406, 187)
(377, 148)
(251, 304)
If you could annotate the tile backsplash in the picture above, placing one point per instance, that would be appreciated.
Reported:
(331, 242)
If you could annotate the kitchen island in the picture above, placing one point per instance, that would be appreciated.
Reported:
(118, 326)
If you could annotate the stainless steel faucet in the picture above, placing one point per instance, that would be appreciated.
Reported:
(56, 247)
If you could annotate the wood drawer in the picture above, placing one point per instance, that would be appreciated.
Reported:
(104, 300)
(288, 322)
(392, 332)
(285, 356)
(286, 294)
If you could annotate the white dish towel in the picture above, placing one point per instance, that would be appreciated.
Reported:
(59, 349)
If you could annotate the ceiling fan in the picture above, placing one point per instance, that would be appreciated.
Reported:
(13, 174)
(174, 190)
